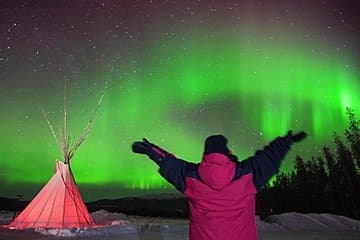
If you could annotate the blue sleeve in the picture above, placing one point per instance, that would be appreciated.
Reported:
(175, 170)
(266, 162)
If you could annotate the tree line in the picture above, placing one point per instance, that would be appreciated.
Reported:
(329, 183)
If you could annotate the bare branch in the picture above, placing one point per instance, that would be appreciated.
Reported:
(52, 131)
(65, 138)
(86, 129)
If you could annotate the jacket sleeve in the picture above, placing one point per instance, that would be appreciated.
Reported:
(172, 169)
(175, 170)
(266, 163)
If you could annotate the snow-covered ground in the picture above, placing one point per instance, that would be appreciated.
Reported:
(293, 226)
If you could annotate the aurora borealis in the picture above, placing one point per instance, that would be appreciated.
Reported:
(174, 72)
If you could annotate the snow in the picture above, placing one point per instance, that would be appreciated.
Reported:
(120, 226)
(298, 221)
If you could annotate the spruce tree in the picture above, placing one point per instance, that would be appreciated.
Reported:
(347, 176)
(301, 184)
(352, 134)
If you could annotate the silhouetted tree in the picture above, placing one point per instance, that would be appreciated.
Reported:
(328, 183)
(352, 134)
(323, 182)
(348, 176)
(301, 184)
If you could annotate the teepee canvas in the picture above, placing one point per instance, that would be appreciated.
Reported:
(59, 203)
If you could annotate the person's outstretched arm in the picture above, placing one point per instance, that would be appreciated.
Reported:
(174, 170)
(266, 163)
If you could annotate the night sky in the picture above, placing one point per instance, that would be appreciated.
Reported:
(174, 72)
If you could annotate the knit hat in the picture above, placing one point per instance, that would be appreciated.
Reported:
(217, 144)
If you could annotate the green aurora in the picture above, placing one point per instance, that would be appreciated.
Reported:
(176, 94)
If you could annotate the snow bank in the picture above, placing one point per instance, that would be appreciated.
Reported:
(264, 226)
(134, 227)
(104, 231)
(113, 224)
(107, 224)
(298, 221)
(103, 218)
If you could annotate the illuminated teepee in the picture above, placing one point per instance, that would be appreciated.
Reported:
(59, 203)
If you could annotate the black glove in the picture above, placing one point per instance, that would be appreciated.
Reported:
(297, 137)
(143, 147)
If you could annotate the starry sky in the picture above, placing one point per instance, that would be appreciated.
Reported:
(174, 72)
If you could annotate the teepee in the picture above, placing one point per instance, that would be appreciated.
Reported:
(59, 203)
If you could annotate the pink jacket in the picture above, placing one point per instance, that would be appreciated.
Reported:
(221, 193)
(220, 208)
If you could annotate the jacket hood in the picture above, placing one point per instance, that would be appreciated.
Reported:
(216, 170)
